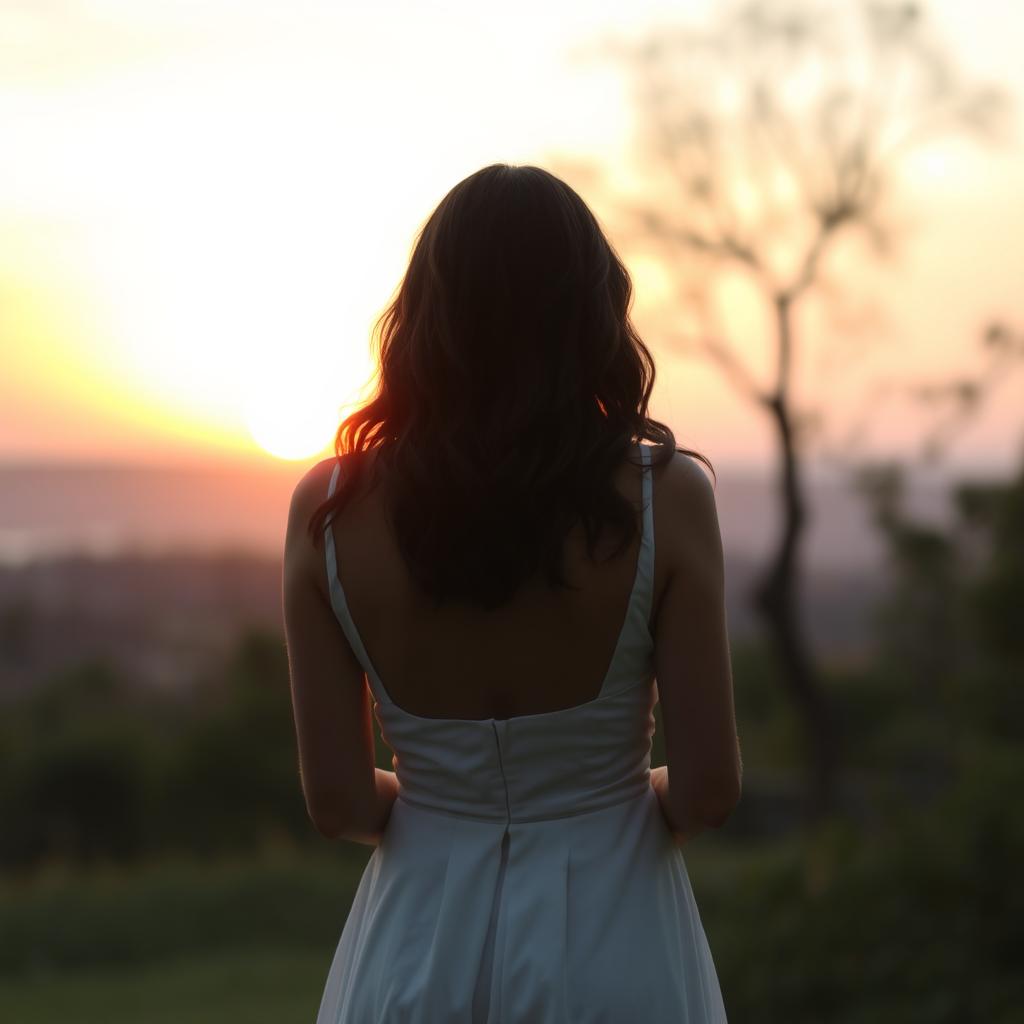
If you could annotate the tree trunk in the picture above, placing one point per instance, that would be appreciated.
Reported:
(776, 599)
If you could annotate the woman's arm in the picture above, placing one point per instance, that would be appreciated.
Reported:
(370, 832)
(346, 795)
(692, 662)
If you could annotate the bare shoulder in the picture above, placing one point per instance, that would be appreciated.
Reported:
(311, 488)
(301, 556)
(688, 537)
(685, 496)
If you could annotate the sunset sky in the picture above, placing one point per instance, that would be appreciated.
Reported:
(204, 206)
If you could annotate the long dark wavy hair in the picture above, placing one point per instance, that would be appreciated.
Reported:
(511, 385)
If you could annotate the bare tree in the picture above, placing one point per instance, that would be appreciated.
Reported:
(768, 138)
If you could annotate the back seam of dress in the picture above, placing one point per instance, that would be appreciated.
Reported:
(483, 991)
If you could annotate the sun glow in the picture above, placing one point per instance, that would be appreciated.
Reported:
(211, 203)
(233, 257)
(290, 430)
(256, 346)
(293, 413)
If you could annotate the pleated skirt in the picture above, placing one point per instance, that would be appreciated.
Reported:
(586, 919)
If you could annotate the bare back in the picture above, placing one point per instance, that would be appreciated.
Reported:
(546, 650)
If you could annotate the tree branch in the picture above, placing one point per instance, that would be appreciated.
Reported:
(724, 246)
(736, 372)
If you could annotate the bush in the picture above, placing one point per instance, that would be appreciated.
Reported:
(917, 922)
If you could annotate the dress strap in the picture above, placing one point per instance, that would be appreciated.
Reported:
(340, 604)
(646, 557)
(634, 648)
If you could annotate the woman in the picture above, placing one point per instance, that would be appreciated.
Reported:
(493, 568)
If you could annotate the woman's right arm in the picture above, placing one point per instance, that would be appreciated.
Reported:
(701, 784)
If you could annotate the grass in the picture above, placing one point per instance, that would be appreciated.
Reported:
(254, 986)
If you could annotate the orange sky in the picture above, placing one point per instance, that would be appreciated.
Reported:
(203, 208)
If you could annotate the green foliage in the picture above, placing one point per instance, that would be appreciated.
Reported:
(94, 769)
(77, 772)
(905, 907)
(80, 796)
(233, 775)
(953, 620)
(915, 921)
(998, 593)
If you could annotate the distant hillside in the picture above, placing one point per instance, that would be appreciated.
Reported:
(159, 570)
(165, 619)
(115, 509)
(162, 620)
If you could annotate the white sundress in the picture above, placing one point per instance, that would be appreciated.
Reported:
(526, 875)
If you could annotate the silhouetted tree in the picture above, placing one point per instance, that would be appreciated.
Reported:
(772, 135)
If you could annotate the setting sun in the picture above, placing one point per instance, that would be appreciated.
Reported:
(292, 430)
(295, 396)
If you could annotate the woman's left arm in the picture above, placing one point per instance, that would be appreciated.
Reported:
(346, 796)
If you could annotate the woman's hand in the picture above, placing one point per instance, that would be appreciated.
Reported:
(387, 792)
(659, 783)
(682, 831)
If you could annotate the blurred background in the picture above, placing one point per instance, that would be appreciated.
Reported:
(203, 208)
